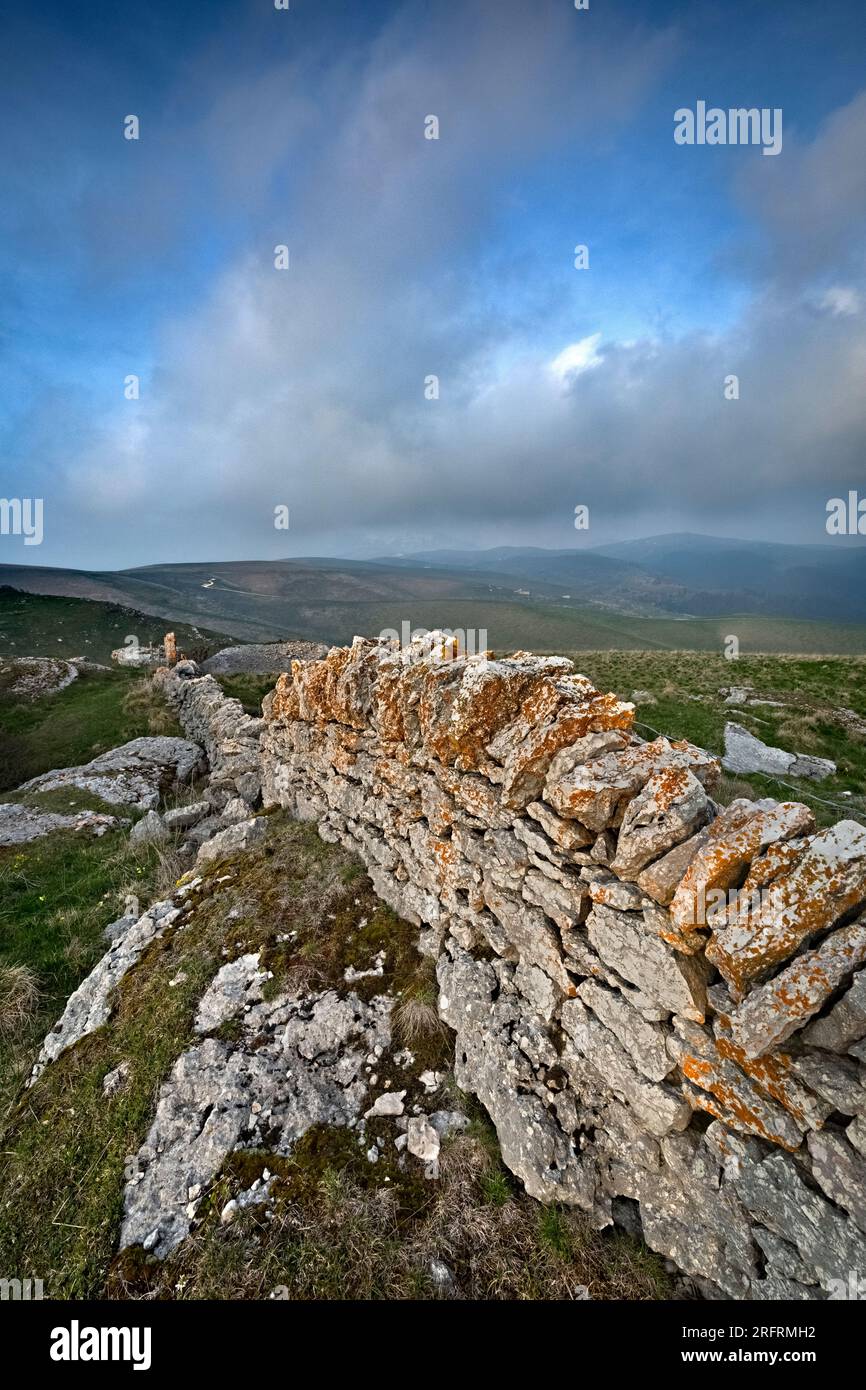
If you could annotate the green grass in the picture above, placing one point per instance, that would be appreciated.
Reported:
(57, 894)
(341, 1227)
(98, 711)
(544, 627)
(685, 703)
(51, 625)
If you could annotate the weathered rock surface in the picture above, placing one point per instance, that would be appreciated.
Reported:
(90, 1006)
(233, 840)
(135, 774)
(746, 753)
(299, 1063)
(261, 658)
(578, 888)
(784, 1004)
(21, 824)
(34, 677)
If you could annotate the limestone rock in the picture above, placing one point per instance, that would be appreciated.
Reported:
(841, 1172)
(825, 1239)
(661, 879)
(135, 774)
(669, 809)
(234, 840)
(21, 824)
(625, 944)
(596, 793)
(846, 1021)
(775, 1010)
(644, 1042)
(738, 835)
(148, 830)
(90, 1005)
(746, 753)
(182, 817)
(828, 882)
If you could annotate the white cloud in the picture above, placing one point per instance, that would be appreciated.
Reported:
(577, 358)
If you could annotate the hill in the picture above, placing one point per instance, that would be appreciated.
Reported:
(674, 592)
(36, 624)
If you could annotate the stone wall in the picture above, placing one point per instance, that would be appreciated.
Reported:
(659, 1000)
(229, 736)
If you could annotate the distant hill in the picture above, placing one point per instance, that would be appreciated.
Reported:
(687, 574)
(676, 592)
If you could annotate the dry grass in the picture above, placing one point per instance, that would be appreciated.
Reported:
(472, 1234)
(144, 704)
(19, 997)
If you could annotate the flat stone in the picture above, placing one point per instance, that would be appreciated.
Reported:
(661, 879)
(746, 753)
(135, 774)
(775, 1010)
(828, 882)
(19, 825)
(846, 1021)
(841, 1172)
(625, 944)
(727, 1093)
(658, 1107)
(826, 1240)
(738, 835)
(671, 807)
(644, 1042)
(234, 840)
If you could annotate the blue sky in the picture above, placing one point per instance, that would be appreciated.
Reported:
(411, 257)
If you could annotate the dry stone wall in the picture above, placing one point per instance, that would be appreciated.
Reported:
(660, 1001)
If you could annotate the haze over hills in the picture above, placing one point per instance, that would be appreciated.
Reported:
(675, 591)
(688, 574)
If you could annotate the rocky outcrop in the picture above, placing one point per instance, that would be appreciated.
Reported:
(21, 824)
(35, 677)
(90, 1006)
(746, 753)
(657, 1000)
(261, 658)
(299, 1062)
(136, 774)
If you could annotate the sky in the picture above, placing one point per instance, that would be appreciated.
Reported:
(305, 391)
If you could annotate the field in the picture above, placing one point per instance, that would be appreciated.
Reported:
(679, 695)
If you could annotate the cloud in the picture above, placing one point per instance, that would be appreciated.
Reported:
(577, 357)
(306, 387)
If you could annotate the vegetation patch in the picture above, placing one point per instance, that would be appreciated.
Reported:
(816, 706)
(340, 1228)
(98, 711)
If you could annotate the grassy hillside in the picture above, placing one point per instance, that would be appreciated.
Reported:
(679, 694)
(331, 601)
(33, 624)
(98, 711)
(341, 1227)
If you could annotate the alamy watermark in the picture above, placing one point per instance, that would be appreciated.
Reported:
(439, 645)
(22, 516)
(846, 517)
(720, 907)
(21, 1290)
(739, 125)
